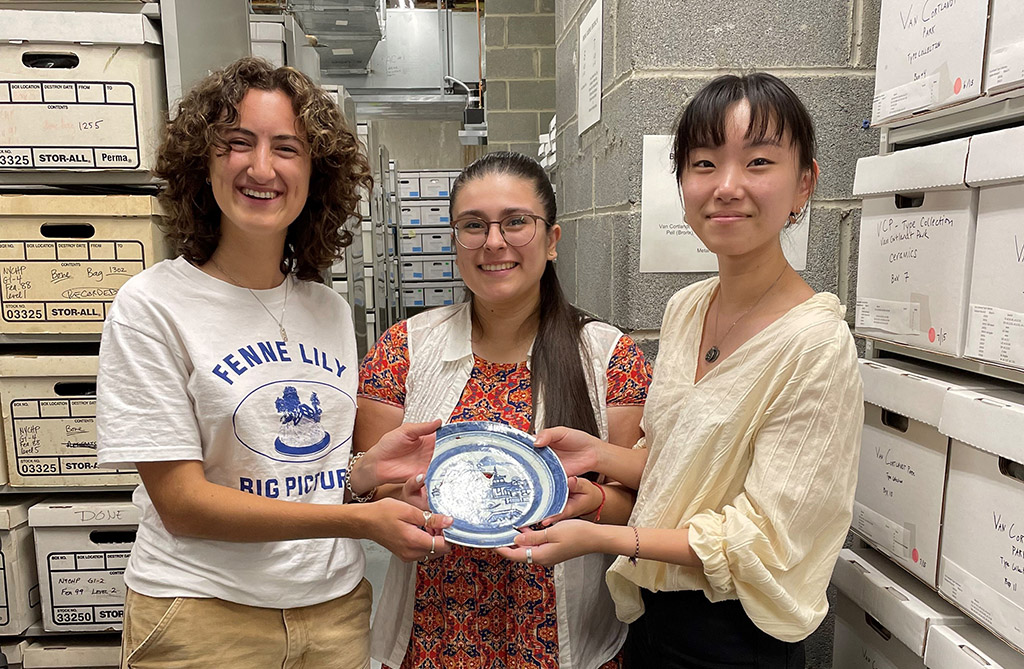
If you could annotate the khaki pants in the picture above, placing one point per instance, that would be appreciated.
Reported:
(187, 632)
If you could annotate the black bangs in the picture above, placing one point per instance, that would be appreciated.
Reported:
(774, 110)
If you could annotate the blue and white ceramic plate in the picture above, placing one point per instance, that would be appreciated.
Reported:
(491, 480)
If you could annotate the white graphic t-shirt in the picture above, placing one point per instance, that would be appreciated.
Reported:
(193, 368)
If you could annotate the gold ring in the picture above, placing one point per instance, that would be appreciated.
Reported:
(529, 556)
(432, 539)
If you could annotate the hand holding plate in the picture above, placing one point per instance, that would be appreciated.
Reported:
(577, 450)
(552, 545)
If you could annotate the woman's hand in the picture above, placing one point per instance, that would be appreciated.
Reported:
(578, 451)
(558, 543)
(398, 456)
(584, 499)
(410, 533)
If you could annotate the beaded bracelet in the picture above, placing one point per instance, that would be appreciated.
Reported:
(636, 551)
(597, 514)
(365, 497)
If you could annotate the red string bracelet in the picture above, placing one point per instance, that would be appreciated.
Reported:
(597, 514)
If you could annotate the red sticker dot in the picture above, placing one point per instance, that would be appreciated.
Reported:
(958, 85)
(915, 555)
(931, 335)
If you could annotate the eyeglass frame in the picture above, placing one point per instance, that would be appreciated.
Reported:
(501, 231)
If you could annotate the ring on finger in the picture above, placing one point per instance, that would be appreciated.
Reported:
(545, 535)
(426, 517)
(529, 556)
(432, 540)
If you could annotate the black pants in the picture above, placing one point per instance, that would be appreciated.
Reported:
(683, 630)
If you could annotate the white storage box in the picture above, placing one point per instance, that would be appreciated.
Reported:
(995, 319)
(267, 41)
(98, 653)
(19, 603)
(13, 650)
(49, 417)
(412, 297)
(412, 270)
(80, 91)
(434, 213)
(437, 296)
(408, 185)
(902, 471)
(981, 563)
(968, 647)
(434, 184)
(930, 55)
(1004, 63)
(916, 245)
(82, 548)
(64, 257)
(411, 215)
(861, 642)
(437, 242)
(437, 270)
(901, 603)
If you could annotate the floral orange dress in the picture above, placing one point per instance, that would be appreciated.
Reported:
(474, 609)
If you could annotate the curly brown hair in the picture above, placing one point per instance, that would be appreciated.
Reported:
(339, 168)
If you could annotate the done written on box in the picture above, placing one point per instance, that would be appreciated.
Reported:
(49, 417)
(82, 549)
(63, 258)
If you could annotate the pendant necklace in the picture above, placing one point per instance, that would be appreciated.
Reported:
(278, 321)
(713, 352)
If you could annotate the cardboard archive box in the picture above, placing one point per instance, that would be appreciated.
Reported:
(98, 653)
(1004, 61)
(434, 184)
(916, 246)
(898, 601)
(995, 317)
(267, 41)
(902, 471)
(82, 548)
(80, 92)
(409, 184)
(861, 642)
(434, 213)
(968, 647)
(64, 257)
(930, 55)
(49, 417)
(411, 215)
(981, 561)
(19, 604)
(13, 650)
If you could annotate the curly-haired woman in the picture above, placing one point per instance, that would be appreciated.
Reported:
(228, 377)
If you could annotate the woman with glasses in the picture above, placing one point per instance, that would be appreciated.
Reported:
(517, 353)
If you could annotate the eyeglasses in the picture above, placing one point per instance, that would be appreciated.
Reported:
(516, 230)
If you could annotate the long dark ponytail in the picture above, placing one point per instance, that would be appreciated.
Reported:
(557, 371)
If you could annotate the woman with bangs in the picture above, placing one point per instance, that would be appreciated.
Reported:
(228, 377)
(520, 354)
(747, 469)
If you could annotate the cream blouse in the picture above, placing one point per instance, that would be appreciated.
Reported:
(758, 459)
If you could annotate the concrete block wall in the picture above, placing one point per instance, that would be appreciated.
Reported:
(656, 54)
(520, 50)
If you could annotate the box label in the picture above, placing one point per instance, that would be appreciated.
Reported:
(55, 436)
(87, 587)
(995, 334)
(1006, 66)
(889, 316)
(68, 125)
(64, 281)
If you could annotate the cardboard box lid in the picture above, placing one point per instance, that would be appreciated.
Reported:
(904, 605)
(266, 31)
(46, 654)
(968, 647)
(77, 512)
(13, 650)
(912, 390)
(80, 205)
(996, 157)
(992, 420)
(934, 167)
(28, 366)
(76, 27)
(15, 512)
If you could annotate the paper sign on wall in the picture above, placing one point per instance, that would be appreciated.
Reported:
(667, 243)
(588, 101)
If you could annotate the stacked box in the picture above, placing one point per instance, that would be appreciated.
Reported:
(97, 653)
(63, 258)
(82, 548)
(49, 418)
(19, 600)
(1004, 66)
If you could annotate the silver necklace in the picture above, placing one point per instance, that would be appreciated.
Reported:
(714, 352)
(279, 321)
